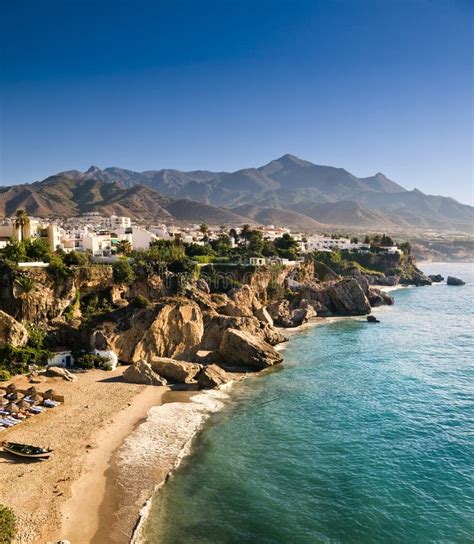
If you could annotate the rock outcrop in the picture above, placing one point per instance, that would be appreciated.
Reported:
(348, 298)
(142, 373)
(211, 376)
(171, 329)
(241, 349)
(455, 281)
(175, 371)
(59, 372)
(436, 278)
(12, 331)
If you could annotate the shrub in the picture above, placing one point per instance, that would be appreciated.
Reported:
(7, 525)
(17, 360)
(57, 269)
(88, 361)
(4, 375)
(123, 271)
(36, 335)
(76, 259)
(141, 302)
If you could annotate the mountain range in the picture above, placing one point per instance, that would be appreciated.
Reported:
(287, 191)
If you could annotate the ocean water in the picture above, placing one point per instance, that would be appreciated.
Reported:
(364, 435)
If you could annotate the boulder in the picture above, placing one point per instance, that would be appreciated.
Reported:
(379, 298)
(455, 281)
(279, 311)
(203, 286)
(175, 371)
(348, 298)
(262, 315)
(59, 372)
(301, 315)
(242, 349)
(12, 331)
(324, 273)
(211, 376)
(436, 278)
(419, 279)
(141, 372)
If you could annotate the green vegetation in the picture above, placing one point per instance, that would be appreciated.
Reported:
(141, 302)
(87, 361)
(123, 271)
(7, 525)
(16, 359)
(5, 375)
(95, 305)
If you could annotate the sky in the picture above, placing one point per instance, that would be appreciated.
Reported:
(367, 85)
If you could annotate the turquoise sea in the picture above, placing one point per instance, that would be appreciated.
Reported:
(364, 435)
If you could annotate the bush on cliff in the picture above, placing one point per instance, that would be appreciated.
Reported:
(5, 375)
(17, 360)
(7, 525)
(123, 271)
(88, 361)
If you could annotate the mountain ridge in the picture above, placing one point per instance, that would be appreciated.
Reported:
(279, 189)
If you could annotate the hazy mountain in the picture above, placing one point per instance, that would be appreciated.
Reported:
(275, 216)
(280, 192)
(71, 193)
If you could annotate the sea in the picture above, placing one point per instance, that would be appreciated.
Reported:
(365, 434)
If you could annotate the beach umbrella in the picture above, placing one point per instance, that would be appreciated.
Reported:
(11, 388)
(12, 407)
(49, 394)
(31, 391)
(23, 405)
(36, 398)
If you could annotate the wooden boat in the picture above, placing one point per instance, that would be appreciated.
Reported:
(25, 450)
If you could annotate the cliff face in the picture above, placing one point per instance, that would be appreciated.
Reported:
(189, 332)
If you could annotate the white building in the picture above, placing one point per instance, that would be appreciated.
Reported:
(139, 237)
(117, 222)
(61, 357)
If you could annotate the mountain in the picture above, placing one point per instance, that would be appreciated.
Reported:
(73, 193)
(286, 191)
(275, 216)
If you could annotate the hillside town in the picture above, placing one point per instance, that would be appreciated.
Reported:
(105, 238)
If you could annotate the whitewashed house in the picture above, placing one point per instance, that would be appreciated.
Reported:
(61, 357)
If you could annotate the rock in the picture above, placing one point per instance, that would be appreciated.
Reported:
(171, 329)
(175, 371)
(301, 315)
(372, 319)
(419, 279)
(203, 286)
(279, 311)
(348, 298)
(211, 376)
(12, 331)
(379, 298)
(455, 281)
(436, 278)
(324, 272)
(141, 372)
(59, 372)
(242, 349)
(262, 315)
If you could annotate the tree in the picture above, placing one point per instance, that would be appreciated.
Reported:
(123, 271)
(287, 247)
(15, 251)
(386, 241)
(406, 248)
(123, 247)
(204, 228)
(246, 232)
(21, 222)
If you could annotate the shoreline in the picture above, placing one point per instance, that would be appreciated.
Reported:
(138, 533)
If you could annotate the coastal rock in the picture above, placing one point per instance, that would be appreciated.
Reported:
(58, 372)
(171, 329)
(302, 315)
(242, 349)
(279, 311)
(263, 315)
(142, 373)
(419, 279)
(11, 331)
(436, 278)
(379, 298)
(348, 298)
(203, 286)
(455, 281)
(216, 325)
(211, 376)
(175, 371)
(324, 273)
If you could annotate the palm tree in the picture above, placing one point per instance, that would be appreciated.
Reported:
(124, 247)
(21, 222)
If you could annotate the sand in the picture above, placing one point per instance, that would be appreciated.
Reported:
(61, 497)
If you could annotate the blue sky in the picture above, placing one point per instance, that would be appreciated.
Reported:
(382, 85)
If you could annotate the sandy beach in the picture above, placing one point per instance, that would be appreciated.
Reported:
(61, 498)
